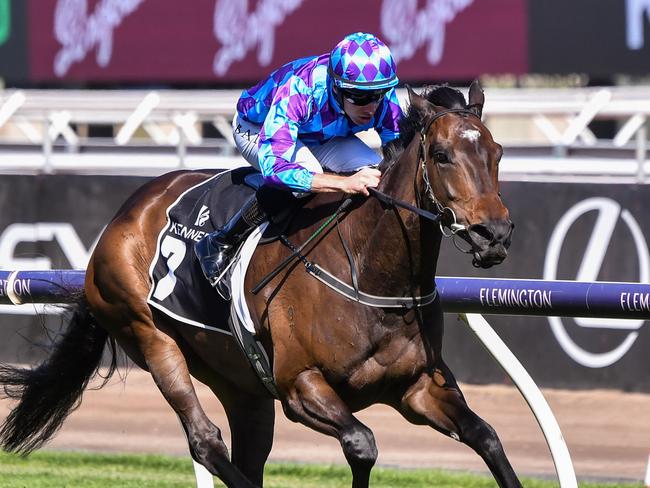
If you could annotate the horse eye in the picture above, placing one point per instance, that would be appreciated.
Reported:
(440, 157)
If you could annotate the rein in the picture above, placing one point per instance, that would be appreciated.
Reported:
(297, 251)
(394, 202)
(351, 292)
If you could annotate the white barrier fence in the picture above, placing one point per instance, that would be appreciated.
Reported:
(52, 130)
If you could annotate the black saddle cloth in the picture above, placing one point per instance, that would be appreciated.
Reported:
(179, 288)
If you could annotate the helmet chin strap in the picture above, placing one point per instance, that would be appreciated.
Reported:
(340, 105)
(338, 97)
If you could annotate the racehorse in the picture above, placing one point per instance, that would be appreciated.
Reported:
(331, 354)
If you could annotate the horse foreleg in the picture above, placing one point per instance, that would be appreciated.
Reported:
(168, 366)
(436, 400)
(312, 402)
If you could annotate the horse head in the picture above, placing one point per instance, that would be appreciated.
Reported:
(459, 164)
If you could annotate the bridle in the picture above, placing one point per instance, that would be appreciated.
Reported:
(442, 215)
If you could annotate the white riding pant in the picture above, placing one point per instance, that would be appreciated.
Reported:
(338, 155)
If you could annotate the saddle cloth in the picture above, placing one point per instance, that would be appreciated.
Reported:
(179, 288)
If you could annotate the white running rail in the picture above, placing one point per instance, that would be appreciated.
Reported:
(52, 130)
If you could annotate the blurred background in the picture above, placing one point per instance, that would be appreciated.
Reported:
(97, 96)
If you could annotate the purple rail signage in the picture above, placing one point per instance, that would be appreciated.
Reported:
(479, 295)
(56, 286)
(539, 297)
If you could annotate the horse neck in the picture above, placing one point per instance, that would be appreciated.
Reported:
(398, 250)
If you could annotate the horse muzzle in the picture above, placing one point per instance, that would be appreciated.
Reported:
(490, 242)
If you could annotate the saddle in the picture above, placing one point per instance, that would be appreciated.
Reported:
(179, 288)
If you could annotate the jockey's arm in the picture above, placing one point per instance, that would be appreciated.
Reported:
(356, 183)
(278, 144)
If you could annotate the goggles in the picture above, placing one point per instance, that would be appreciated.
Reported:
(363, 97)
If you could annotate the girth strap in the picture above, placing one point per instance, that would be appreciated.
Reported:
(366, 299)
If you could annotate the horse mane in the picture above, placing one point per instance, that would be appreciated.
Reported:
(441, 95)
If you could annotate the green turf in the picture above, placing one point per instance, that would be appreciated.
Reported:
(76, 470)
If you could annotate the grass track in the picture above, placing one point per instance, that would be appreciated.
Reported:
(82, 470)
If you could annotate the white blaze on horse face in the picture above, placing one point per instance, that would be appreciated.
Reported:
(471, 134)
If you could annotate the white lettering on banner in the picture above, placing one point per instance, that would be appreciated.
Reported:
(79, 32)
(637, 12)
(20, 287)
(635, 302)
(509, 297)
(239, 31)
(406, 29)
(61, 232)
(609, 212)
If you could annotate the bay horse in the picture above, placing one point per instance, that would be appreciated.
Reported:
(331, 356)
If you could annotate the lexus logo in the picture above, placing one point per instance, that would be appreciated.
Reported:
(609, 214)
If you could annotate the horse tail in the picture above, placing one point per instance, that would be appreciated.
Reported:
(47, 394)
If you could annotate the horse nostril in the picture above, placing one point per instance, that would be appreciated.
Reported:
(493, 232)
(482, 231)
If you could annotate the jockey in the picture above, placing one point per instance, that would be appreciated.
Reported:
(302, 120)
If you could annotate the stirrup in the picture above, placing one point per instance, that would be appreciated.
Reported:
(220, 285)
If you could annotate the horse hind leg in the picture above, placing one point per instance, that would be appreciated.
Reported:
(312, 402)
(437, 401)
(168, 367)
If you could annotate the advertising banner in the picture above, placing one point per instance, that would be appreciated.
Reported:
(583, 36)
(163, 42)
(584, 232)
(240, 42)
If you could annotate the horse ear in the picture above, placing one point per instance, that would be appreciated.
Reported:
(421, 104)
(476, 98)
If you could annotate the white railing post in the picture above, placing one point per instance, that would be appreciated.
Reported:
(47, 147)
(9, 107)
(529, 390)
(137, 117)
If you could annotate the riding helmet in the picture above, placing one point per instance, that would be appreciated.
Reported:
(362, 62)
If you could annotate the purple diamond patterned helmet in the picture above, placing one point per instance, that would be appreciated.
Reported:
(362, 62)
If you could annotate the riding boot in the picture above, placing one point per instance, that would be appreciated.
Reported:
(217, 248)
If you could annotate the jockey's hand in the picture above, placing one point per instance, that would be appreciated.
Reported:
(361, 180)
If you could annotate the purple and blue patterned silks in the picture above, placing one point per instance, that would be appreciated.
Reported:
(296, 102)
